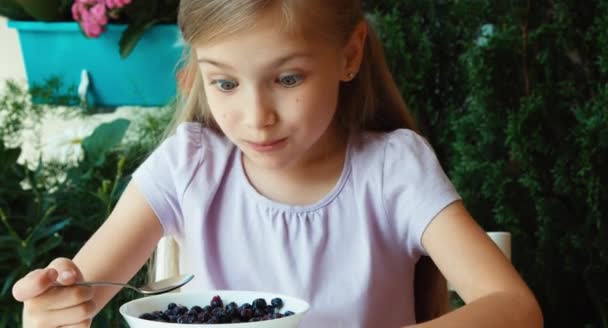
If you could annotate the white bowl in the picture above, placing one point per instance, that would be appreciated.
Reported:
(133, 309)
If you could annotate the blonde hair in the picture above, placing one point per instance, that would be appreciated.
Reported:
(370, 102)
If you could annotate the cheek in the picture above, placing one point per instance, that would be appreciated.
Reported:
(322, 102)
(220, 109)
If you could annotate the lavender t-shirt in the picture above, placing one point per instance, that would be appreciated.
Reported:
(351, 255)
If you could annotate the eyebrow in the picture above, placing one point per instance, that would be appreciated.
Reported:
(278, 62)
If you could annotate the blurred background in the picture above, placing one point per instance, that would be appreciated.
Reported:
(513, 96)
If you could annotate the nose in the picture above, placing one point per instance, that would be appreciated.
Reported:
(260, 111)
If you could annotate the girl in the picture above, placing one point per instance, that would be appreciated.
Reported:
(294, 169)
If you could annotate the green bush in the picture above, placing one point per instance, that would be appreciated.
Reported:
(514, 98)
(52, 209)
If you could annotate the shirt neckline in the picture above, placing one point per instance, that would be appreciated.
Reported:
(328, 198)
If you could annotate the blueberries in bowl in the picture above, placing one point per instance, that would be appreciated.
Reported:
(215, 312)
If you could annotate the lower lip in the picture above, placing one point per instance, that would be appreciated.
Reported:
(268, 147)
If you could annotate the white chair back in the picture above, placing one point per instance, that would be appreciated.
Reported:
(166, 259)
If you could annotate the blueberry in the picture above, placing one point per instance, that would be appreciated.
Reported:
(216, 301)
(246, 314)
(222, 318)
(217, 311)
(288, 313)
(171, 306)
(269, 309)
(180, 309)
(233, 313)
(165, 317)
(148, 316)
(204, 316)
(259, 303)
(245, 306)
(277, 303)
(259, 312)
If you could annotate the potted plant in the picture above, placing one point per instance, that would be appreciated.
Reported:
(117, 52)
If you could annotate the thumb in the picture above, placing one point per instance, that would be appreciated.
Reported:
(67, 271)
(34, 284)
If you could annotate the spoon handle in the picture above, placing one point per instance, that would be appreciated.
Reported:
(102, 283)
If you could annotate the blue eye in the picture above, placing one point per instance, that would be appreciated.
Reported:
(291, 80)
(225, 85)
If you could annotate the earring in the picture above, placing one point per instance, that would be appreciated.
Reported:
(350, 76)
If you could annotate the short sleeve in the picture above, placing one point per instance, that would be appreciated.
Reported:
(165, 175)
(414, 188)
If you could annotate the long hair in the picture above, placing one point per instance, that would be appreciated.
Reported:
(370, 102)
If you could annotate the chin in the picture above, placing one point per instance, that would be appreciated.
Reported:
(271, 161)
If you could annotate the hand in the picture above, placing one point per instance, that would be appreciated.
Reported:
(48, 306)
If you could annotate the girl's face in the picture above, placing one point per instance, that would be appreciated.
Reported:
(274, 95)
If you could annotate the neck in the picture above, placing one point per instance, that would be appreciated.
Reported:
(308, 180)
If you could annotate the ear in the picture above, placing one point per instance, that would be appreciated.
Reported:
(353, 51)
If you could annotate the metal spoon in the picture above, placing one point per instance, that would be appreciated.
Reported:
(157, 287)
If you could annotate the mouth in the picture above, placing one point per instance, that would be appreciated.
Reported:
(267, 145)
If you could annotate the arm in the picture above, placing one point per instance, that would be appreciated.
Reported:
(494, 293)
(121, 246)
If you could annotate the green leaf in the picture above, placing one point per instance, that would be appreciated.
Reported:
(41, 223)
(46, 10)
(105, 137)
(9, 157)
(8, 241)
(132, 35)
(6, 256)
(27, 254)
(8, 282)
(50, 230)
(12, 10)
(49, 244)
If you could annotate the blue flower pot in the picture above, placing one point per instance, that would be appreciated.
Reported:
(145, 78)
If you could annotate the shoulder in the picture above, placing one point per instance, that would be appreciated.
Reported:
(413, 186)
(192, 136)
(192, 140)
(396, 160)
(401, 144)
(186, 149)
(174, 168)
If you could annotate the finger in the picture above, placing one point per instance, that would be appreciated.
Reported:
(68, 271)
(71, 316)
(82, 324)
(61, 297)
(34, 284)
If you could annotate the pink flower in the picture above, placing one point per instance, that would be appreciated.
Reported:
(77, 8)
(93, 15)
(98, 13)
(91, 29)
